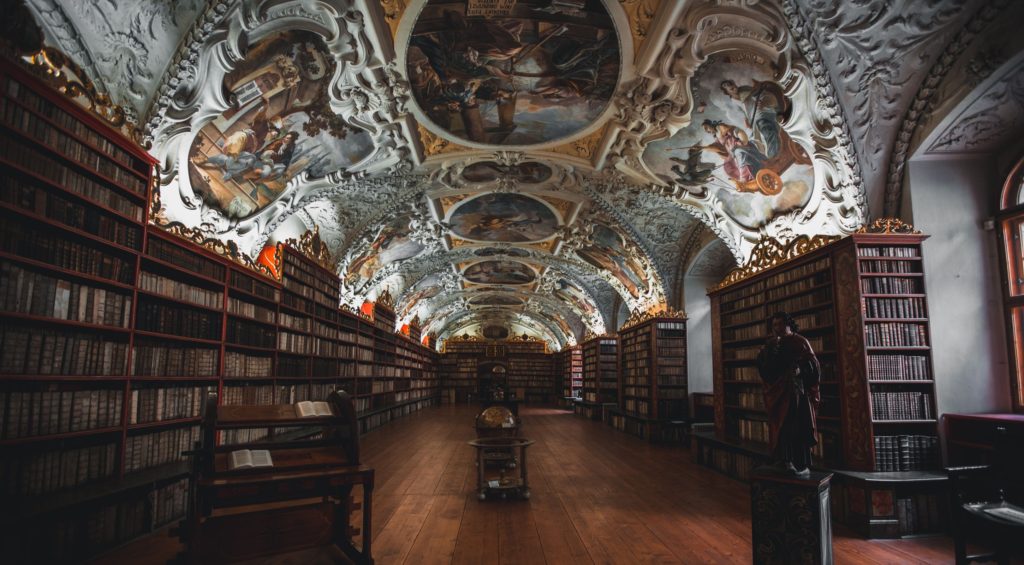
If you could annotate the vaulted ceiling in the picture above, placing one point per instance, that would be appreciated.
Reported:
(531, 165)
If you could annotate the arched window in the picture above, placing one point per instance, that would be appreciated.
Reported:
(1011, 223)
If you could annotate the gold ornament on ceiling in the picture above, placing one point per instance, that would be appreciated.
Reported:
(889, 226)
(640, 13)
(436, 145)
(313, 247)
(659, 311)
(770, 253)
(584, 147)
(393, 11)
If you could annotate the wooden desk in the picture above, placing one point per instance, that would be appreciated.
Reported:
(309, 488)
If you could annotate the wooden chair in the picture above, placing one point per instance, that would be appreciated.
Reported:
(986, 502)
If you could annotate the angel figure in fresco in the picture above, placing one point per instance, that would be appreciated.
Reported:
(741, 159)
(765, 109)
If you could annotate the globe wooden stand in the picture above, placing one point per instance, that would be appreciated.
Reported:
(512, 475)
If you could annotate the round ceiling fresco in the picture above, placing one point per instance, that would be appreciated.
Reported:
(499, 272)
(513, 72)
(510, 218)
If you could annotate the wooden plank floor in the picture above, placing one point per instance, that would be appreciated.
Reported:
(599, 496)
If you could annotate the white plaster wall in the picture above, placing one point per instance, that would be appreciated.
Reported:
(698, 333)
(951, 199)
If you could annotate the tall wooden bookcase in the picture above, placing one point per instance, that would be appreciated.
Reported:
(600, 376)
(528, 370)
(572, 374)
(113, 331)
(653, 385)
(861, 302)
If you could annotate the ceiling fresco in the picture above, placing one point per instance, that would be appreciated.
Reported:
(512, 73)
(529, 166)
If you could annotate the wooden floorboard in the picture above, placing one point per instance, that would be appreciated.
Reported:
(598, 496)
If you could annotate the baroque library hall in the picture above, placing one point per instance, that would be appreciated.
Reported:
(511, 281)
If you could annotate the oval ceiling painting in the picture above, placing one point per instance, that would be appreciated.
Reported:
(499, 272)
(509, 218)
(281, 125)
(513, 72)
(495, 332)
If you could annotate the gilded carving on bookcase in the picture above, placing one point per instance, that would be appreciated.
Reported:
(393, 11)
(856, 434)
(589, 335)
(313, 247)
(770, 253)
(57, 69)
(889, 226)
(660, 311)
(385, 301)
(228, 249)
(415, 322)
(437, 145)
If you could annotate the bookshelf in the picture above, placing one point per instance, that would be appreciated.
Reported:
(861, 302)
(112, 329)
(572, 375)
(527, 369)
(653, 397)
(600, 376)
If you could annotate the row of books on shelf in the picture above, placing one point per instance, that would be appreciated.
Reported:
(887, 251)
(671, 329)
(905, 405)
(174, 254)
(33, 198)
(895, 334)
(30, 351)
(34, 473)
(819, 279)
(891, 285)
(902, 267)
(40, 105)
(246, 333)
(792, 274)
(249, 310)
(42, 165)
(149, 359)
(906, 452)
(262, 289)
(754, 315)
(156, 284)
(177, 320)
(144, 451)
(752, 430)
(165, 403)
(38, 129)
(636, 407)
(912, 307)
(898, 368)
(813, 299)
(244, 435)
(50, 412)
(743, 373)
(753, 400)
(25, 291)
(921, 513)
(34, 241)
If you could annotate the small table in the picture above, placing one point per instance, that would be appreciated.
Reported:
(517, 483)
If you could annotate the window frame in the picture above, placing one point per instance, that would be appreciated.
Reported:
(1010, 221)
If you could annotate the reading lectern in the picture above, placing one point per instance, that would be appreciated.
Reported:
(303, 500)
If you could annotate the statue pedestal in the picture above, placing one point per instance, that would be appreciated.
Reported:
(790, 517)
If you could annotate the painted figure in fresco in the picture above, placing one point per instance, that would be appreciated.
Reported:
(791, 375)
(765, 109)
(499, 272)
(741, 159)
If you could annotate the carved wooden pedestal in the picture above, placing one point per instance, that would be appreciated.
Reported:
(790, 517)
